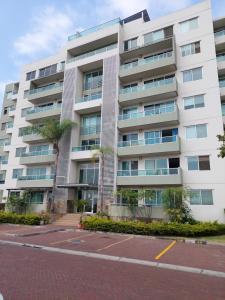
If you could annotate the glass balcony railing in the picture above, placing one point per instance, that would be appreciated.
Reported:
(12, 108)
(36, 177)
(90, 130)
(222, 83)
(41, 109)
(149, 112)
(223, 109)
(150, 141)
(94, 96)
(220, 57)
(93, 29)
(38, 153)
(44, 88)
(149, 60)
(6, 143)
(220, 33)
(4, 162)
(91, 53)
(150, 85)
(85, 148)
(9, 125)
(154, 172)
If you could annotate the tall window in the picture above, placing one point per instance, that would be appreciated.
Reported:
(201, 163)
(201, 197)
(48, 70)
(20, 151)
(93, 80)
(196, 131)
(189, 49)
(189, 25)
(153, 198)
(130, 44)
(17, 173)
(196, 101)
(192, 74)
(158, 35)
(30, 75)
(36, 171)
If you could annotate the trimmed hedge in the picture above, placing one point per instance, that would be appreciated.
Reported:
(164, 229)
(27, 219)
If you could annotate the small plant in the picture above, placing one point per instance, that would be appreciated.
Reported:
(18, 204)
(81, 205)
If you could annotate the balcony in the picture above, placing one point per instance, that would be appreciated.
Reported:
(222, 88)
(9, 128)
(48, 92)
(152, 66)
(91, 130)
(41, 113)
(221, 64)
(38, 157)
(32, 138)
(158, 90)
(50, 76)
(89, 103)
(12, 111)
(83, 152)
(149, 147)
(156, 117)
(149, 48)
(220, 40)
(32, 181)
(158, 177)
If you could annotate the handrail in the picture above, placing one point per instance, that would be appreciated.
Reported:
(38, 153)
(44, 88)
(149, 141)
(35, 177)
(153, 172)
(45, 108)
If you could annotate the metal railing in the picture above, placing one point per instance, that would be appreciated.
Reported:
(94, 96)
(90, 130)
(38, 153)
(220, 33)
(154, 172)
(149, 60)
(44, 108)
(36, 177)
(149, 112)
(150, 85)
(91, 53)
(93, 29)
(86, 148)
(222, 83)
(150, 141)
(44, 88)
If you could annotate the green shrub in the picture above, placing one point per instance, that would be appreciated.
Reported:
(27, 219)
(159, 228)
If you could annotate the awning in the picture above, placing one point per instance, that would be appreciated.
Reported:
(77, 185)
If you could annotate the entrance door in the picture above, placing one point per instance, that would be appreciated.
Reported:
(90, 196)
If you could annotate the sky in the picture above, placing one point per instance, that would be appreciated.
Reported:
(31, 30)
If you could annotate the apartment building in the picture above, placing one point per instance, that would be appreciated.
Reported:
(153, 91)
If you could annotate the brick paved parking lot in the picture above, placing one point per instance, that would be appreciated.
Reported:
(40, 273)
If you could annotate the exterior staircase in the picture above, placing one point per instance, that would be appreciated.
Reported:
(68, 220)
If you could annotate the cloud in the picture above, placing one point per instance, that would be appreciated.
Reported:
(49, 30)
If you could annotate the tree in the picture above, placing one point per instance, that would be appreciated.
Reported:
(53, 130)
(221, 149)
(18, 203)
(175, 204)
(101, 153)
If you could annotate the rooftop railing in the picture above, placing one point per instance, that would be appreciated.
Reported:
(150, 141)
(149, 60)
(93, 29)
(154, 172)
(91, 53)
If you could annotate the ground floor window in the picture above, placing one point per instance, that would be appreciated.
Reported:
(36, 197)
(201, 197)
(153, 198)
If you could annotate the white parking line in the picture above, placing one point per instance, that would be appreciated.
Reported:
(111, 245)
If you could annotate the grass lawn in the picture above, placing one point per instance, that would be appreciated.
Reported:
(217, 239)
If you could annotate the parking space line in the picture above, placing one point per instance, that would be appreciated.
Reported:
(111, 245)
(165, 250)
(68, 240)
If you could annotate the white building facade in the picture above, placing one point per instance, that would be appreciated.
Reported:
(152, 91)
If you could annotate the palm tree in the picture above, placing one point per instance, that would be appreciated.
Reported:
(101, 153)
(52, 131)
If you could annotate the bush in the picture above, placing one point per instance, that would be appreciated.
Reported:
(27, 219)
(166, 229)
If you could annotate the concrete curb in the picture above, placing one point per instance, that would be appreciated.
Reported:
(36, 233)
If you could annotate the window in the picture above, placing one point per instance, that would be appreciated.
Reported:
(31, 75)
(48, 71)
(20, 151)
(36, 197)
(93, 80)
(17, 173)
(5, 112)
(161, 136)
(130, 44)
(189, 25)
(159, 108)
(153, 198)
(24, 111)
(3, 127)
(189, 49)
(196, 131)
(38, 148)
(194, 102)
(201, 197)
(36, 171)
(192, 75)
(201, 163)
